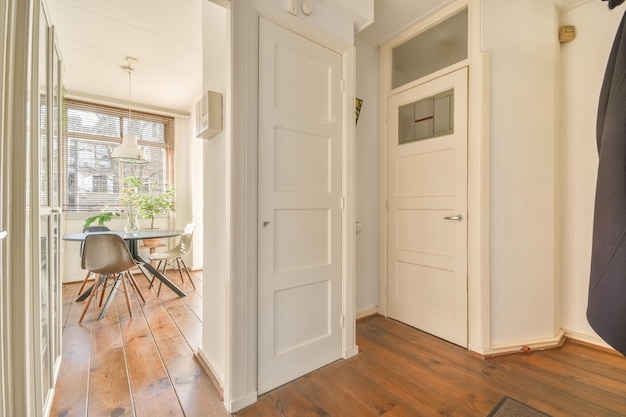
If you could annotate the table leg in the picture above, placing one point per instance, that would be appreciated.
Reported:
(111, 296)
(158, 275)
(85, 294)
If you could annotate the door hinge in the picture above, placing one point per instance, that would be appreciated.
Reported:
(342, 203)
(343, 86)
(342, 321)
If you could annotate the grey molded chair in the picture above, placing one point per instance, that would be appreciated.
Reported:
(108, 255)
(82, 245)
(167, 258)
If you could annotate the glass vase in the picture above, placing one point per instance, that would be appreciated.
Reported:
(132, 222)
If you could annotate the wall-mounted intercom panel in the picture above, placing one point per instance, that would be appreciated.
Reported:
(209, 115)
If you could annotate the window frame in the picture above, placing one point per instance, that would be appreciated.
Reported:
(119, 170)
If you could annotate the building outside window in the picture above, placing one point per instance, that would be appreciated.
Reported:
(91, 132)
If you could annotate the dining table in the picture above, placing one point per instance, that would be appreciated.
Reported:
(132, 239)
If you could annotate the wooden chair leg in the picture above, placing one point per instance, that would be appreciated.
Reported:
(157, 268)
(180, 271)
(94, 289)
(82, 287)
(188, 273)
(123, 278)
(136, 287)
(164, 272)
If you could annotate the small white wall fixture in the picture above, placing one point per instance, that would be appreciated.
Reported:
(209, 115)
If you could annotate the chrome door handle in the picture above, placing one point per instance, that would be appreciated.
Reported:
(458, 217)
(3, 234)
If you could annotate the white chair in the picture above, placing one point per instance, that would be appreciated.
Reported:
(106, 255)
(167, 258)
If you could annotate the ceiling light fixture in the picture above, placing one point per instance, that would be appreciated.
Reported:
(129, 151)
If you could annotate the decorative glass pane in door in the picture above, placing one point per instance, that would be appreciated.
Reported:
(426, 118)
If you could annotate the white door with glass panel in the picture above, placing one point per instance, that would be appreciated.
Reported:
(427, 217)
(300, 194)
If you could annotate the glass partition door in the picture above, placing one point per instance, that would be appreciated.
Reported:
(3, 217)
(47, 295)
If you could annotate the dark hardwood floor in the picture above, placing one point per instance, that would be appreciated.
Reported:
(403, 372)
(145, 366)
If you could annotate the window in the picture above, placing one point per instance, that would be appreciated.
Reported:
(438, 47)
(91, 132)
(427, 118)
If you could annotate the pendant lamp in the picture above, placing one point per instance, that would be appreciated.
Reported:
(129, 151)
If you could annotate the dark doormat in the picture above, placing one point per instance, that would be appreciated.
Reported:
(510, 407)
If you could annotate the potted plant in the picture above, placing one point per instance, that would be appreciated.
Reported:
(105, 215)
(152, 205)
(146, 204)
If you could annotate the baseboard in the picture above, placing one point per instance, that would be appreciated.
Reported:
(529, 346)
(217, 380)
(242, 403)
(211, 370)
(350, 353)
(588, 340)
(370, 311)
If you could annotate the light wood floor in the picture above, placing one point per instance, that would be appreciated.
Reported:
(145, 366)
(139, 366)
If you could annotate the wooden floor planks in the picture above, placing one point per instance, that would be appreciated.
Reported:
(403, 372)
(146, 366)
(143, 365)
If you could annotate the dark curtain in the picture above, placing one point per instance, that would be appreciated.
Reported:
(606, 310)
(614, 3)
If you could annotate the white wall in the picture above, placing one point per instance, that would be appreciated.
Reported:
(367, 179)
(189, 180)
(521, 38)
(583, 64)
(216, 189)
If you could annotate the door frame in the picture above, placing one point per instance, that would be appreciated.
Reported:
(240, 380)
(479, 338)
(17, 211)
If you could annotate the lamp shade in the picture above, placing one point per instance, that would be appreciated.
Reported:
(129, 151)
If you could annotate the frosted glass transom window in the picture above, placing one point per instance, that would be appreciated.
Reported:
(426, 118)
(436, 48)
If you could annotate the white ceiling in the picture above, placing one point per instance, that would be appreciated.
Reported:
(95, 36)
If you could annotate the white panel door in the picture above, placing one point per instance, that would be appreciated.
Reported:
(299, 240)
(427, 229)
